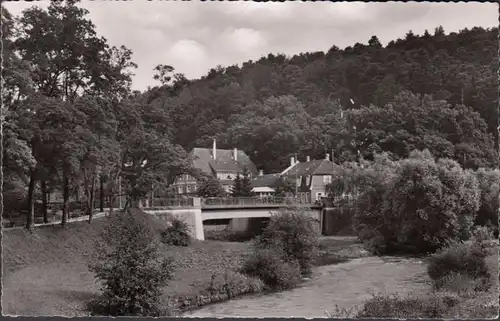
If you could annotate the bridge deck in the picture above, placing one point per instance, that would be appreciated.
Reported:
(233, 203)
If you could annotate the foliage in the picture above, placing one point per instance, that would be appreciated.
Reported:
(177, 234)
(284, 187)
(242, 186)
(482, 233)
(292, 232)
(71, 118)
(209, 186)
(462, 284)
(489, 185)
(230, 284)
(384, 306)
(129, 266)
(468, 259)
(367, 86)
(421, 207)
(270, 266)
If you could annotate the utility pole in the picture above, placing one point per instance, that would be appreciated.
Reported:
(120, 191)
(296, 173)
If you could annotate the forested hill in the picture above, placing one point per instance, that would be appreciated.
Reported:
(278, 106)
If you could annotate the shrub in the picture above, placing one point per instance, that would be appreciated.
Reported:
(482, 233)
(417, 206)
(129, 267)
(292, 233)
(468, 259)
(230, 284)
(269, 266)
(382, 306)
(177, 234)
(462, 284)
(489, 185)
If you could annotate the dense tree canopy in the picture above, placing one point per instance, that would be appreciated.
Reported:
(72, 120)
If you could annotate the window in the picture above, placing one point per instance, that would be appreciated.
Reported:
(179, 189)
(327, 179)
(189, 188)
(308, 180)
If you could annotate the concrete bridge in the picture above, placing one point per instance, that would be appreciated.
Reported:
(239, 210)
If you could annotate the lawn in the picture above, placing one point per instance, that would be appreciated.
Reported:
(46, 273)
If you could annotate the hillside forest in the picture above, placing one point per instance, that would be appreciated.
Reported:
(72, 123)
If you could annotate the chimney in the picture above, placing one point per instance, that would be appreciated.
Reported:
(214, 152)
(261, 172)
(308, 159)
(327, 157)
(235, 154)
(292, 161)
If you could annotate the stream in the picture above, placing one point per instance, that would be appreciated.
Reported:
(346, 285)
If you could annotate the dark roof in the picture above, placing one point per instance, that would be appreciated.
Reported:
(224, 161)
(315, 167)
(268, 180)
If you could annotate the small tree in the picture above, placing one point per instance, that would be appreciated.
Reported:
(129, 267)
(292, 233)
(246, 185)
(283, 187)
(236, 189)
(210, 187)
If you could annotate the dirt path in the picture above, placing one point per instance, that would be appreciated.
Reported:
(347, 285)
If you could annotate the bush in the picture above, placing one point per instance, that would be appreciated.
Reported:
(462, 284)
(129, 267)
(467, 259)
(177, 234)
(230, 284)
(269, 266)
(416, 206)
(489, 185)
(292, 233)
(433, 306)
(482, 233)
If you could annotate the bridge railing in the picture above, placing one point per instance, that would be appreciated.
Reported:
(172, 202)
(246, 201)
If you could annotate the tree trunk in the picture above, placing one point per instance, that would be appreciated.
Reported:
(90, 209)
(134, 202)
(111, 199)
(44, 202)
(30, 216)
(65, 214)
(101, 192)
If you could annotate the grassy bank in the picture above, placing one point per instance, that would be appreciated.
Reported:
(458, 297)
(46, 273)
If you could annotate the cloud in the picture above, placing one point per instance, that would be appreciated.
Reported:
(196, 36)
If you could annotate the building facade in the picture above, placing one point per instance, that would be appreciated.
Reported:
(310, 177)
(222, 164)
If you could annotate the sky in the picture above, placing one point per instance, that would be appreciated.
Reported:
(194, 37)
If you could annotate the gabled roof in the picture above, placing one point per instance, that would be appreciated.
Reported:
(224, 161)
(315, 167)
(267, 180)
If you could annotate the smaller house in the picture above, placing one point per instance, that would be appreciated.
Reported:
(311, 177)
(265, 185)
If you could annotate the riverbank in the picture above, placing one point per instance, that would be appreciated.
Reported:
(46, 273)
(347, 285)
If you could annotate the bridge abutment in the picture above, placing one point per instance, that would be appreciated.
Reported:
(191, 216)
